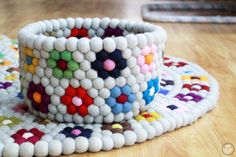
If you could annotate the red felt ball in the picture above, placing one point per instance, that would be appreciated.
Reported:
(33, 139)
(74, 32)
(122, 98)
(21, 131)
(36, 132)
(71, 91)
(147, 116)
(87, 100)
(188, 86)
(20, 140)
(81, 92)
(83, 32)
(65, 99)
(82, 110)
(62, 64)
(204, 87)
(72, 109)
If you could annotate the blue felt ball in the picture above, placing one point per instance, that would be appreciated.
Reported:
(111, 101)
(28, 60)
(127, 107)
(126, 90)
(150, 84)
(131, 98)
(115, 92)
(117, 108)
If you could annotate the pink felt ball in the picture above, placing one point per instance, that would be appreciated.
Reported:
(109, 65)
(76, 132)
(77, 101)
(146, 50)
(141, 60)
(144, 68)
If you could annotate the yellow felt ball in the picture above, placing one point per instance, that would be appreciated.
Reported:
(35, 61)
(29, 52)
(117, 126)
(143, 113)
(203, 78)
(155, 115)
(31, 69)
(151, 119)
(186, 77)
(26, 67)
(148, 59)
(139, 118)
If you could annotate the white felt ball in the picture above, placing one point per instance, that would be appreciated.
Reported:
(54, 148)
(68, 146)
(86, 83)
(64, 83)
(91, 33)
(85, 65)
(132, 41)
(81, 144)
(11, 150)
(26, 149)
(44, 55)
(107, 143)
(54, 81)
(98, 83)
(93, 92)
(109, 82)
(95, 144)
(52, 109)
(165, 124)
(98, 119)
(41, 148)
(93, 110)
(87, 23)
(109, 118)
(150, 131)
(60, 44)
(131, 80)
(1, 149)
(78, 22)
(100, 32)
(136, 52)
(70, 22)
(125, 72)
(59, 117)
(158, 127)
(48, 43)
(59, 34)
(49, 90)
(39, 41)
(122, 24)
(120, 81)
(142, 40)
(78, 56)
(48, 72)
(118, 140)
(127, 53)
(59, 91)
(62, 23)
(77, 118)
(121, 43)
(150, 38)
(95, 23)
(36, 53)
(83, 45)
(61, 108)
(131, 62)
(91, 74)
(99, 101)
(66, 32)
(71, 44)
(141, 135)
(104, 22)
(96, 44)
(114, 23)
(55, 99)
(79, 74)
(130, 138)
(36, 79)
(74, 83)
(104, 93)
(119, 117)
(109, 44)
(44, 81)
(90, 56)
(105, 110)
(68, 118)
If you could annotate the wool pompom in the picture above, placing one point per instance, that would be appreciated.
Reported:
(26, 149)
(68, 146)
(95, 144)
(54, 148)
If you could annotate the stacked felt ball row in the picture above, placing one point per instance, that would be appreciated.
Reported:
(82, 77)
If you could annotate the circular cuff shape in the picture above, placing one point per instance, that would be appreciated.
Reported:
(90, 70)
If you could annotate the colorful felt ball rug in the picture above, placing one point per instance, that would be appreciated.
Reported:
(187, 92)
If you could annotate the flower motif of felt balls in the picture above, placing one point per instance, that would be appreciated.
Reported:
(146, 60)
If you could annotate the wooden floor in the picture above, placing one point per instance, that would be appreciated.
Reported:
(210, 45)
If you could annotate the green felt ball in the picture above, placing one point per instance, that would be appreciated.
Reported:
(73, 66)
(58, 73)
(55, 55)
(68, 74)
(51, 63)
(66, 55)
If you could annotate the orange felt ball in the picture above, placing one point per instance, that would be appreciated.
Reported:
(148, 59)
(37, 97)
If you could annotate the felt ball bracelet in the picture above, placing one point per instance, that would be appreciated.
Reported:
(90, 70)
